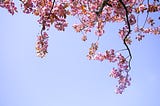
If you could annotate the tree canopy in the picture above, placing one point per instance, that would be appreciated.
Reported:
(93, 16)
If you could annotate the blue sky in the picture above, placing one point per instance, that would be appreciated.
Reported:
(65, 77)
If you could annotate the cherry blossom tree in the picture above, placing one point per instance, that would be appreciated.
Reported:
(93, 15)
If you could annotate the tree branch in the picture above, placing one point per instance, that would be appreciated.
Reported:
(129, 31)
(52, 6)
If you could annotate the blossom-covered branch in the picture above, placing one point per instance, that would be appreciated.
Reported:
(129, 31)
(93, 16)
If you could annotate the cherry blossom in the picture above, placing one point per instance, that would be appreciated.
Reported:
(121, 72)
(84, 38)
(132, 19)
(94, 16)
(9, 5)
(42, 45)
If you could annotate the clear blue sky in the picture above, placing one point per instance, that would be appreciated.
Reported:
(65, 77)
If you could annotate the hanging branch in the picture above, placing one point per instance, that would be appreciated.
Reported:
(129, 31)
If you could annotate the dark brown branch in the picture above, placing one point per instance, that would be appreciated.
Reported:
(129, 31)
(52, 6)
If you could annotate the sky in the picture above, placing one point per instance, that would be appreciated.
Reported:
(65, 77)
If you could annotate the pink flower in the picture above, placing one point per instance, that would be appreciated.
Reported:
(99, 32)
(122, 33)
(110, 55)
(136, 29)
(141, 8)
(60, 24)
(114, 73)
(99, 57)
(132, 19)
(139, 37)
(77, 27)
(84, 38)
(9, 5)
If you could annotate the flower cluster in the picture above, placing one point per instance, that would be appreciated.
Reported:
(121, 72)
(132, 19)
(78, 27)
(92, 50)
(139, 37)
(84, 38)
(123, 80)
(42, 45)
(140, 8)
(99, 30)
(49, 12)
(142, 31)
(9, 5)
(150, 21)
(28, 6)
(155, 30)
(122, 33)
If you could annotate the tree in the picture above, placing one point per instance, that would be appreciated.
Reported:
(93, 15)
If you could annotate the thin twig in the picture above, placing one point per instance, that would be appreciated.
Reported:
(120, 50)
(147, 15)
